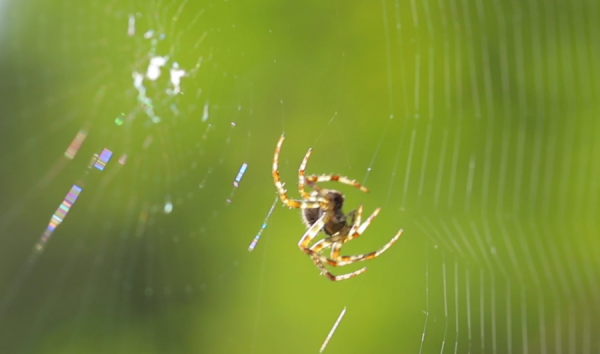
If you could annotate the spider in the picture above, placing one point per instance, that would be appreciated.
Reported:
(322, 211)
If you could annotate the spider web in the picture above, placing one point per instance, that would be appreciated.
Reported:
(137, 143)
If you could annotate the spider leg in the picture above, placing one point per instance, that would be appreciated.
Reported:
(321, 245)
(312, 231)
(356, 216)
(292, 203)
(315, 256)
(339, 261)
(357, 230)
(312, 179)
(332, 277)
(301, 178)
(325, 243)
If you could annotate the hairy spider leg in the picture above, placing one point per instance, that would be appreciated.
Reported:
(312, 179)
(336, 245)
(345, 260)
(356, 218)
(359, 228)
(292, 203)
(301, 179)
(312, 231)
(327, 273)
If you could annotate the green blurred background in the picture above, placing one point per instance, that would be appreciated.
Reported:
(474, 123)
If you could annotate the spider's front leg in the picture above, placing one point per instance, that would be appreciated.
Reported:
(335, 178)
(304, 204)
(312, 231)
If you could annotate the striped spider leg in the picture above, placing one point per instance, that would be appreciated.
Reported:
(338, 240)
(311, 180)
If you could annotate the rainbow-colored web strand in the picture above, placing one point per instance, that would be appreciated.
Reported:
(97, 161)
(103, 159)
(263, 227)
(238, 179)
(240, 174)
(76, 144)
(335, 325)
(58, 217)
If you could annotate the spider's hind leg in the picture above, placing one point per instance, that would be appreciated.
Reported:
(301, 178)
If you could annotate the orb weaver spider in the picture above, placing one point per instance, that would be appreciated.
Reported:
(322, 211)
